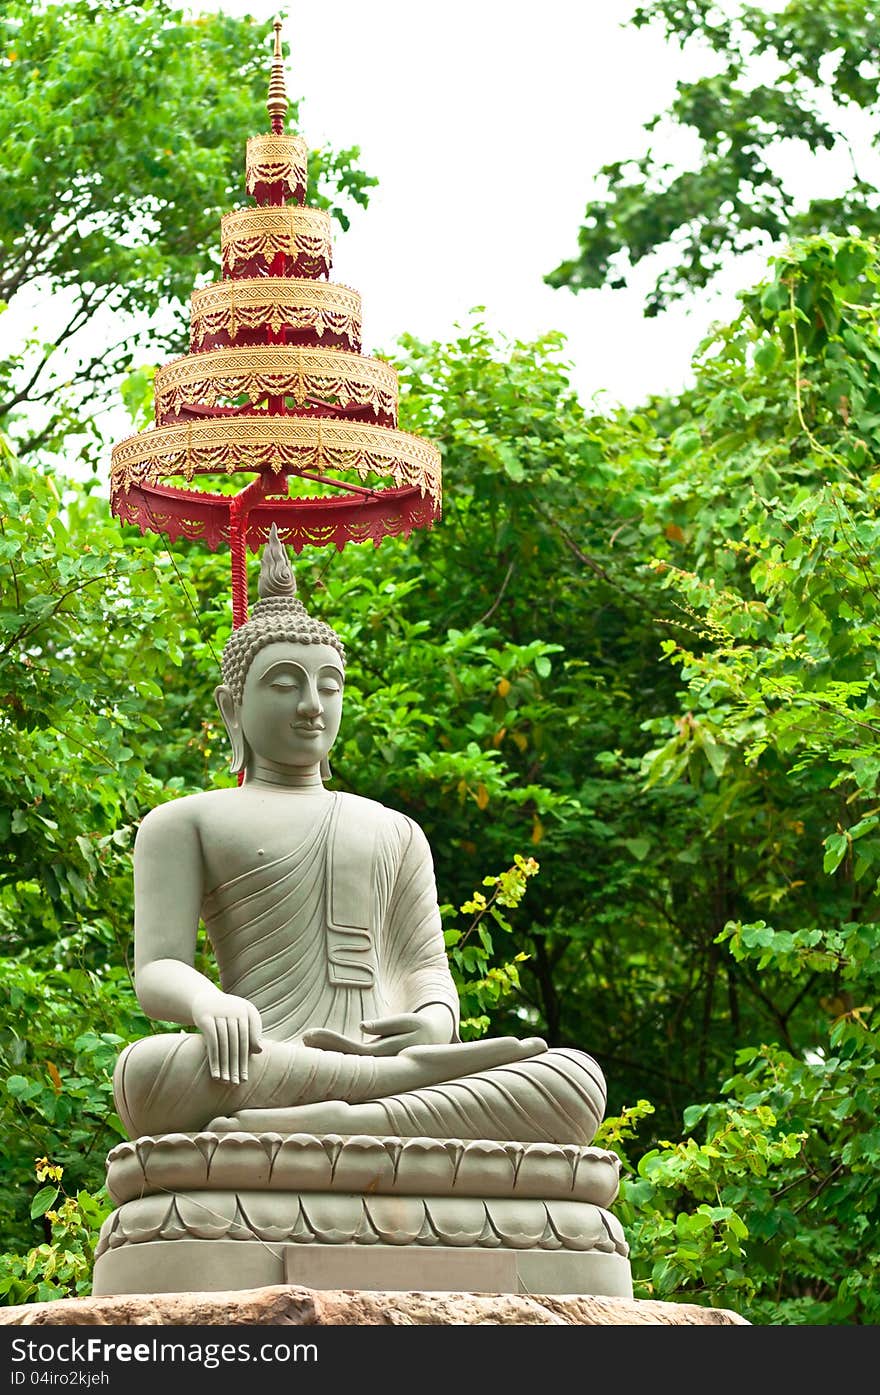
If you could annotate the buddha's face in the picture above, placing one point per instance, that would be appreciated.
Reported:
(291, 705)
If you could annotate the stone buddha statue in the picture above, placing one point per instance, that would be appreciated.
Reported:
(336, 1017)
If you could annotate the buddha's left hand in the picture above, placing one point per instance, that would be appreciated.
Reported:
(392, 1034)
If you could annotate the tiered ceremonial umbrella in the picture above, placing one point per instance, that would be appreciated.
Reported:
(275, 391)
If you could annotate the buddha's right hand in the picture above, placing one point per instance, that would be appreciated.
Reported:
(232, 1030)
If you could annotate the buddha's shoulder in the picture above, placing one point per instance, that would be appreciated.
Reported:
(189, 811)
(358, 806)
(389, 822)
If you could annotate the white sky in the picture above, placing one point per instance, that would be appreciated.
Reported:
(484, 122)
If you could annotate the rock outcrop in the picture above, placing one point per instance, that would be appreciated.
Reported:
(288, 1305)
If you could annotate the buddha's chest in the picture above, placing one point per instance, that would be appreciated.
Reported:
(265, 830)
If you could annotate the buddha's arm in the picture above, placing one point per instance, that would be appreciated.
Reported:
(168, 896)
(417, 974)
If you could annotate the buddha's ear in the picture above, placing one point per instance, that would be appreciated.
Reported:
(232, 722)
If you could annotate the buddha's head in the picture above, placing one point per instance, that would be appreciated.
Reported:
(283, 671)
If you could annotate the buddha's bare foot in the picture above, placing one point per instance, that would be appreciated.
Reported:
(332, 1116)
(462, 1058)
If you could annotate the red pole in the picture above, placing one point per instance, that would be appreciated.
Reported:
(238, 556)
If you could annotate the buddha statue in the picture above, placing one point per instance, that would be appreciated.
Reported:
(336, 1017)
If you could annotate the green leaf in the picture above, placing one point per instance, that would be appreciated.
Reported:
(43, 1201)
(639, 847)
(693, 1114)
(836, 846)
(513, 467)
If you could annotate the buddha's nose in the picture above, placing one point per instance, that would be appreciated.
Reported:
(310, 702)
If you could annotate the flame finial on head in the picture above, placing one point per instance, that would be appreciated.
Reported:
(276, 573)
(278, 617)
(277, 102)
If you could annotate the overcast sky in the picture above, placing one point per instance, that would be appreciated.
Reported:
(485, 122)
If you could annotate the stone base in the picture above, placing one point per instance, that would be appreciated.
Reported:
(288, 1306)
(211, 1212)
(303, 1162)
(219, 1265)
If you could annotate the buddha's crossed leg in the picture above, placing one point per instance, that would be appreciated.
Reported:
(499, 1088)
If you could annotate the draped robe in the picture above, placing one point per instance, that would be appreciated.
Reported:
(315, 939)
(341, 929)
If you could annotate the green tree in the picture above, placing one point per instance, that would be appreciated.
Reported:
(781, 84)
(79, 693)
(80, 686)
(771, 1202)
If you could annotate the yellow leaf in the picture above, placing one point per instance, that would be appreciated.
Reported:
(537, 831)
(482, 796)
(499, 737)
(54, 1076)
(521, 739)
(503, 687)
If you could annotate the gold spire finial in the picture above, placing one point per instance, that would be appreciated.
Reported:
(277, 103)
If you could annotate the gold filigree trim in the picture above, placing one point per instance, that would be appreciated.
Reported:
(276, 371)
(278, 160)
(300, 233)
(230, 444)
(279, 302)
(315, 522)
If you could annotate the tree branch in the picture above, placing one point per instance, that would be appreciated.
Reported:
(498, 599)
(90, 301)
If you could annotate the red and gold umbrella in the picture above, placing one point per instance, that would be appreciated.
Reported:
(275, 387)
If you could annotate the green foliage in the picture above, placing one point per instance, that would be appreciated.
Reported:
(60, 1267)
(80, 693)
(62, 1029)
(775, 1213)
(778, 645)
(482, 984)
(775, 79)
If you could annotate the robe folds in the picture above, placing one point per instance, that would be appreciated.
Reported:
(345, 928)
